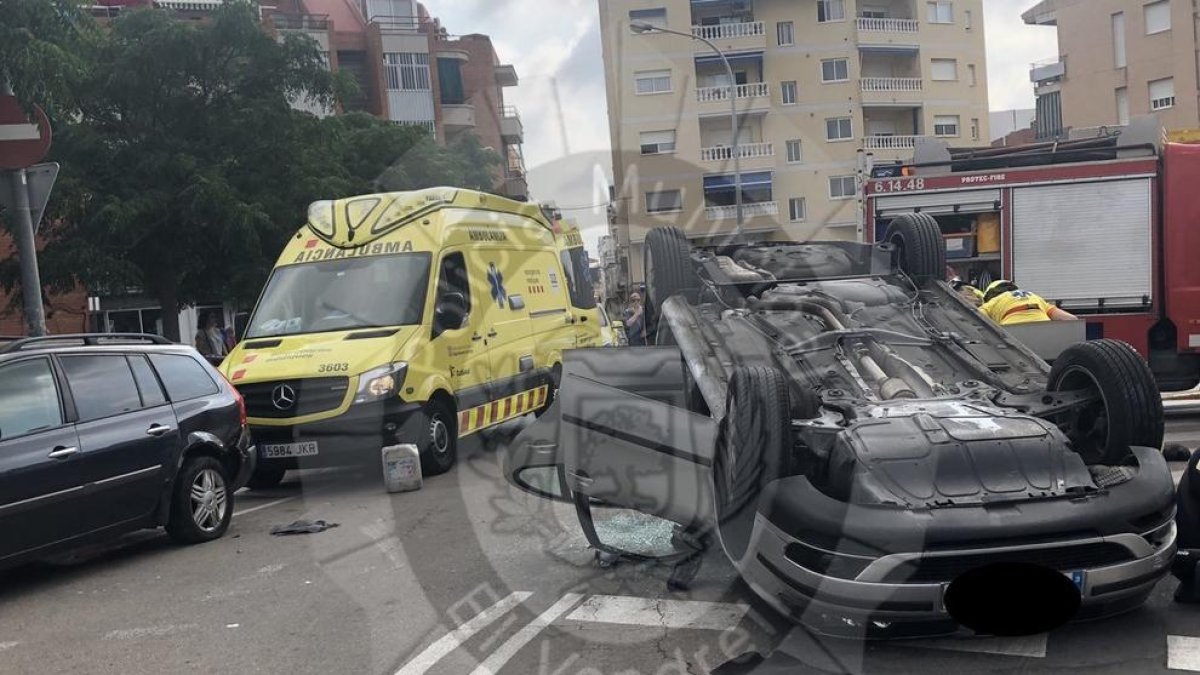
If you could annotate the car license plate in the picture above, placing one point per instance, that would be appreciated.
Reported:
(1077, 577)
(280, 450)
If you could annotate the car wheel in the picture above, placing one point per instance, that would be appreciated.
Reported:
(754, 448)
(201, 503)
(1130, 411)
(439, 439)
(266, 476)
(920, 248)
(667, 261)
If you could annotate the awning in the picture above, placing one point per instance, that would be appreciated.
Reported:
(890, 49)
(734, 58)
(727, 182)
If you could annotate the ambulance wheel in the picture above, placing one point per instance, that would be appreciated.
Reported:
(667, 265)
(920, 248)
(1129, 412)
(552, 393)
(439, 438)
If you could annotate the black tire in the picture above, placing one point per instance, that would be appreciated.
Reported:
(920, 248)
(201, 501)
(552, 394)
(754, 449)
(438, 438)
(1131, 413)
(667, 266)
(266, 475)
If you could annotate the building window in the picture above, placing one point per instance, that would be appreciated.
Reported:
(797, 209)
(842, 187)
(941, 11)
(655, 17)
(665, 201)
(450, 82)
(839, 129)
(1158, 17)
(795, 152)
(971, 74)
(658, 142)
(789, 93)
(945, 125)
(1123, 106)
(653, 82)
(390, 9)
(831, 10)
(967, 19)
(1162, 94)
(944, 70)
(1118, 36)
(835, 70)
(877, 12)
(786, 32)
(974, 128)
(407, 72)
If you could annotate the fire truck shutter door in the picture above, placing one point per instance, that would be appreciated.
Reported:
(1085, 244)
(939, 203)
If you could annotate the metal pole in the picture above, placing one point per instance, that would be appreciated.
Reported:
(22, 228)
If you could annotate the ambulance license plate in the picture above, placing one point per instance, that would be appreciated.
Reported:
(281, 450)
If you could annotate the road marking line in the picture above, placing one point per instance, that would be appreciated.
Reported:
(496, 660)
(659, 613)
(8, 645)
(149, 631)
(1032, 646)
(1183, 653)
(450, 641)
(277, 502)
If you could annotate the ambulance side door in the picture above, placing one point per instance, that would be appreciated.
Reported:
(550, 318)
(462, 350)
(506, 321)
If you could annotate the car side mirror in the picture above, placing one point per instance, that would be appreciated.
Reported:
(451, 311)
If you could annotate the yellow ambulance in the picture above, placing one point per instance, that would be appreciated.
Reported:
(417, 317)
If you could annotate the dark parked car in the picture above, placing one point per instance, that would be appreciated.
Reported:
(104, 434)
(866, 447)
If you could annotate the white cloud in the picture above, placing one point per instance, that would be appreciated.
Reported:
(1011, 47)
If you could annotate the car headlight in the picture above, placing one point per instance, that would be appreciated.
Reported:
(380, 383)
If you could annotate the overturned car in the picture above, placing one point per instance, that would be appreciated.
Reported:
(872, 454)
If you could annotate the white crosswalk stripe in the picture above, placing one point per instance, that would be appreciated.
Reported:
(659, 613)
(1183, 653)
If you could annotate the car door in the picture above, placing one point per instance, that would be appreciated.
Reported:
(462, 350)
(622, 436)
(40, 483)
(127, 438)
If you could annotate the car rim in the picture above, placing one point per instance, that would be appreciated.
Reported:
(208, 500)
(440, 435)
(1090, 424)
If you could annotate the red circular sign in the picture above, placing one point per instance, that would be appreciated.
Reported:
(23, 143)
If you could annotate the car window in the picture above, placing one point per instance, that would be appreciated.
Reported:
(579, 280)
(147, 382)
(184, 377)
(452, 277)
(102, 385)
(28, 399)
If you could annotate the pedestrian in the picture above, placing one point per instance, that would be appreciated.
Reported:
(635, 321)
(1008, 305)
(210, 342)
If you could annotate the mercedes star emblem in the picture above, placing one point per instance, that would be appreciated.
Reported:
(283, 397)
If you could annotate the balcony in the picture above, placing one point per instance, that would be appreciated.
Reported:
(743, 91)
(724, 153)
(1048, 71)
(456, 118)
(872, 25)
(749, 210)
(891, 83)
(731, 31)
(511, 128)
(891, 142)
(308, 23)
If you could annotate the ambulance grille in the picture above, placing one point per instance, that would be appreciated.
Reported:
(308, 397)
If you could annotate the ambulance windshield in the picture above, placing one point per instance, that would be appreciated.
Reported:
(346, 294)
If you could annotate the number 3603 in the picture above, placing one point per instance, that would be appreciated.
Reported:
(333, 368)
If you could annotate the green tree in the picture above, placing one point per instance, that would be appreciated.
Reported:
(40, 50)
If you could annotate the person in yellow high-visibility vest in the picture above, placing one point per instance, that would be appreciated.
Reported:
(1008, 305)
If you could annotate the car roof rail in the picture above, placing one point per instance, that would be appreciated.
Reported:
(86, 339)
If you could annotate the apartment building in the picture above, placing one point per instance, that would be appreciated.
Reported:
(815, 83)
(1117, 59)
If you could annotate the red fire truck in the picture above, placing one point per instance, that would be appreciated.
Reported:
(1108, 228)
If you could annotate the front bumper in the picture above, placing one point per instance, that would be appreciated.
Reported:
(354, 437)
(875, 599)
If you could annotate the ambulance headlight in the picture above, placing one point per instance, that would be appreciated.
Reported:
(380, 383)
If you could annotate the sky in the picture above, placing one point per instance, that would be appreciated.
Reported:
(555, 46)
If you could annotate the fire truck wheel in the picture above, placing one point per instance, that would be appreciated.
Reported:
(669, 271)
(920, 248)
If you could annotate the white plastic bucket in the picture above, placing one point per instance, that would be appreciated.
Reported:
(402, 468)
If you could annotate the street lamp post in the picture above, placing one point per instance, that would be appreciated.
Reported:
(642, 28)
